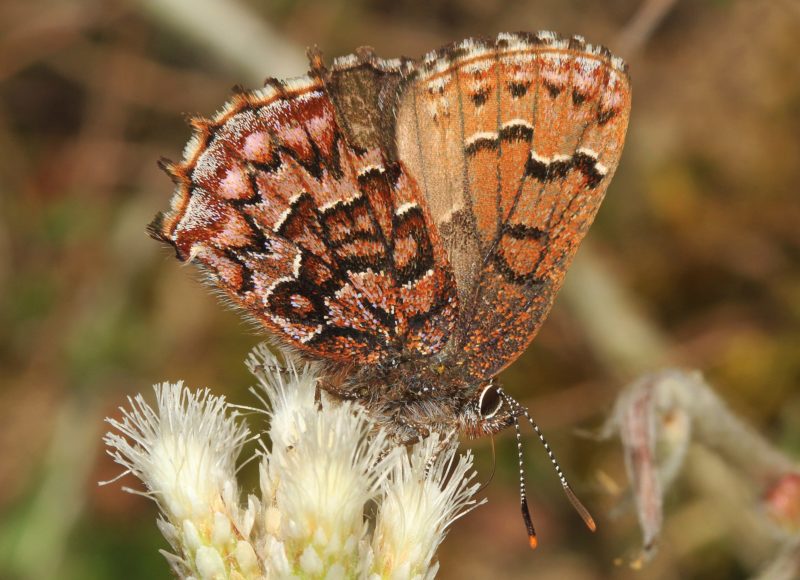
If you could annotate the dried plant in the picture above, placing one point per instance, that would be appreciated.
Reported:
(660, 415)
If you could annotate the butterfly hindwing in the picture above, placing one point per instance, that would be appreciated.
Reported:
(324, 243)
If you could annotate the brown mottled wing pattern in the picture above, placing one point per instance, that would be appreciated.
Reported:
(311, 226)
(513, 143)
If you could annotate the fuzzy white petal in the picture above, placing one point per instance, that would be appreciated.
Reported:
(428, 490)
(184, 450)
(210, 565)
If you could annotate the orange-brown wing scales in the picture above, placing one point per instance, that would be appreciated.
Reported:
(430, 142)
(480, 104)
(541, 122)
(326, 246)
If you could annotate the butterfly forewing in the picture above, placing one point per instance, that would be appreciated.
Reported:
(514, 144)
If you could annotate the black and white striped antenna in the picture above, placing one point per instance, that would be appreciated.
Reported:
(573, 499)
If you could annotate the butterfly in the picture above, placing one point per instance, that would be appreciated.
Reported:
(407, 222)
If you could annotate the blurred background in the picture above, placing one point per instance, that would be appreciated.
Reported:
(694, 261)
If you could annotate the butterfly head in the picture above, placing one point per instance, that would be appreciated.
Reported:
(492, 410)
(488, 411)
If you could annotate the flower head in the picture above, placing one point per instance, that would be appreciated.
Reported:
(327, 467)
(184, 450)
(428, 489)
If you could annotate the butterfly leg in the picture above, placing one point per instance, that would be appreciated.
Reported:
(441, 446)
(342, 393)
(403, 440)
(435, 455)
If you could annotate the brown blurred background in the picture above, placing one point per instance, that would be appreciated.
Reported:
(693, 261)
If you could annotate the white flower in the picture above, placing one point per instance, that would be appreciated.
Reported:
(423, 496)
(185, 451)
(328, 466)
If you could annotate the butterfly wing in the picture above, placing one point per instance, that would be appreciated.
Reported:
(513, 143)
(325, 242)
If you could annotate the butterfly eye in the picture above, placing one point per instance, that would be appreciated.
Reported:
(490, 402)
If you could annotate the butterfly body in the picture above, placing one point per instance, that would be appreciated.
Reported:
(408, 223)
(416, 397)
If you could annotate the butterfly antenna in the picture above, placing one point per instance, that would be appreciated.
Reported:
(573, 499)
(523, 495)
